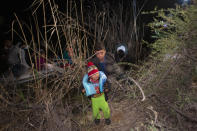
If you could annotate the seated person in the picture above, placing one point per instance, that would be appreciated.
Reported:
(13, 56)
(122, 56)
(41, 60)
(121, 52)
(16, 60)
(23, 55)
(67, 54)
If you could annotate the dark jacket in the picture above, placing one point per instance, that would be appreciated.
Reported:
(111, 67)
(111, 70)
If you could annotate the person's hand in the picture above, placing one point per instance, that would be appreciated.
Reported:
(106, 90)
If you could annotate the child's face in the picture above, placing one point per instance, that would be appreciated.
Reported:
(100, 55)
(42, 54)
(95, 76)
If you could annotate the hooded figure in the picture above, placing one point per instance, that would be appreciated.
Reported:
(121, 52)
(13, 56)
(16, 60)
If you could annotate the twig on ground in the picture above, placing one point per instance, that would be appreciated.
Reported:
(165, 102)
(155, 113)
(144, 97)
(192, 58)
(78, 124)
(111, 80)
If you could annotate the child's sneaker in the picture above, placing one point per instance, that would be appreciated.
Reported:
(107, 121)
(97, 121)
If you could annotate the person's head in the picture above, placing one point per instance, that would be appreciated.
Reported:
(121, 50)
(69, 50)
(22, 45)
(42, 52)
(93, 72)
(7, 44)
(100, 51)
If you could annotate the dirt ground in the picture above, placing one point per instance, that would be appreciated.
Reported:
(150, 115)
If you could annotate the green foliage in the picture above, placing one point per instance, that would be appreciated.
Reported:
(170, 80)
(152, 128)
(170, 28)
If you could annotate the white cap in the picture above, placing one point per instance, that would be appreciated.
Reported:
(121, 48)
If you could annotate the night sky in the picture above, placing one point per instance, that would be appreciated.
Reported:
(7, 10)
(20, 7)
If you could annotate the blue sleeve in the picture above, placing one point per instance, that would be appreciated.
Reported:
(102, 80)
(89, 88)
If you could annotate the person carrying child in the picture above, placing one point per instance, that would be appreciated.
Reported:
(105, 62)
(93, 83)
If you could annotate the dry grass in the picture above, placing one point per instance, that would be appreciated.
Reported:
(54, 102)
(47, 102)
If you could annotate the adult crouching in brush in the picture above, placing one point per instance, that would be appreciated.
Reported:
(106, 63)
